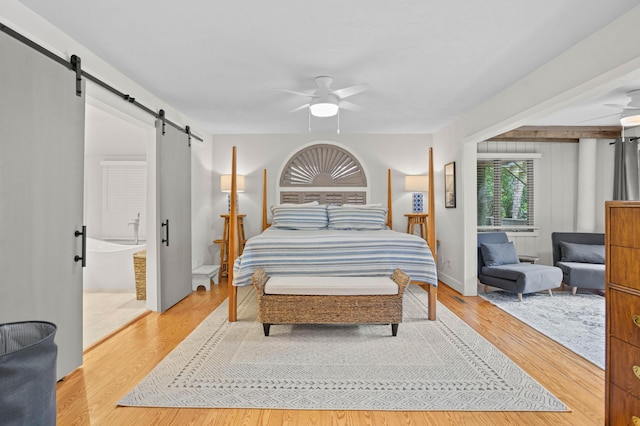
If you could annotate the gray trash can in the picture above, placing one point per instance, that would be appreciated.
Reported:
(28, 373)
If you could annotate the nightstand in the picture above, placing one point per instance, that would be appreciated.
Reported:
(419, 219)
(224, 243)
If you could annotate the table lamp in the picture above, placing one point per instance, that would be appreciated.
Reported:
(417, 185)
(225, 186)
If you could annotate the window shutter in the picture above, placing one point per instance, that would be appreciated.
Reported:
(491, 171)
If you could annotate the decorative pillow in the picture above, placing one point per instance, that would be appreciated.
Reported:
(582, 253)
(310, 203)
(300, 217)
(499, 254)
(357, 218)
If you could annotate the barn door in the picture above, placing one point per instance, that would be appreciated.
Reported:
(173, 172)
(41, 193)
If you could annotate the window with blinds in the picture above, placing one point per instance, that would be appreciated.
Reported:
(506, 194)
(124, 195)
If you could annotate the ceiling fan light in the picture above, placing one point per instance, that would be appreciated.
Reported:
(630, 118)
(324, 109)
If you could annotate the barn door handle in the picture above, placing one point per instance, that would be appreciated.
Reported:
(636, 320)
(82, 258)
(166, 240)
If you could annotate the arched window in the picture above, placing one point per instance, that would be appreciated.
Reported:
(325, 173)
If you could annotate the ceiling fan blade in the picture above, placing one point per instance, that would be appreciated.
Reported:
(598, 118)
(300, 107)
(349, 106)
(351, 90)
(622, 106)
(293, 92)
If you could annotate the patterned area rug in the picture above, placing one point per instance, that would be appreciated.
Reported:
(576, 322)
(429, 365)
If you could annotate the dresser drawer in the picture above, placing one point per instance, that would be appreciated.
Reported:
(624, 314)
(624, 409)
(624, 264)
(623, 220)
(625, 366)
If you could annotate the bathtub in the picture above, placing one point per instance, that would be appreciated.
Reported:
(110, 266)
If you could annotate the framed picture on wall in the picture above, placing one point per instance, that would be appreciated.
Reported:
(450, 184)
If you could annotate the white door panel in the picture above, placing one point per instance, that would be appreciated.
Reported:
(173, 171)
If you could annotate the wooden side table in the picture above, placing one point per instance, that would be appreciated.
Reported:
(528, 258)
(419, 219)
(224, 244)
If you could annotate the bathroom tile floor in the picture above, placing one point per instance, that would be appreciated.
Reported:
(104, 313)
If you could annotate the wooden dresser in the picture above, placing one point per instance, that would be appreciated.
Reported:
(622, 277)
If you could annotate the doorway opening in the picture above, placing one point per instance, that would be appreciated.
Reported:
(118, 199)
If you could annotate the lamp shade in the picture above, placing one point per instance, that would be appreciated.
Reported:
(630, 118)
(225, 183)
(324, 109)
(416, 183)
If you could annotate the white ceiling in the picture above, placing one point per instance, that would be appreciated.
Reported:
(427, 61)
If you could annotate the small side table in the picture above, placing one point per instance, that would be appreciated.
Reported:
(224, 244)
(419, 219)
(528, 259)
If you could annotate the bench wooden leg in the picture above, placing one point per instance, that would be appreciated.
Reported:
(394, 329)
(266, 328)
(433, 297)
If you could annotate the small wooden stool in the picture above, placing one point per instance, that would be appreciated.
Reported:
(224, 244)
(203, 275)
(419, 219)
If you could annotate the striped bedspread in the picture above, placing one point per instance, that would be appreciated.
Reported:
(335, 253)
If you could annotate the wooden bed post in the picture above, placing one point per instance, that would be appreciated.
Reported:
(265, 225)
(233, 241)
(431, 236)
(389, 201)
(431, 221)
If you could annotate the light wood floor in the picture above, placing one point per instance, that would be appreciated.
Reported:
(112, 368)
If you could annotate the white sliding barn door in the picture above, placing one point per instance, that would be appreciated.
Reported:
(173, 220)
(41, 192)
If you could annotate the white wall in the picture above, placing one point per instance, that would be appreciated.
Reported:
(203, 189)
(404, 154)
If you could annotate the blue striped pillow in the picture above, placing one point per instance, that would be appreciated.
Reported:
(357, 218)
(300, 217)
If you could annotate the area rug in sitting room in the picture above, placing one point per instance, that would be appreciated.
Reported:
(577, 322)
(429, 365)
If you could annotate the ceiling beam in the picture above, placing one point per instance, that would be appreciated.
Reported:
(558, 133)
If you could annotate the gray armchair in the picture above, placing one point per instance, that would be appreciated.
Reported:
(580, 255)
(499, 266)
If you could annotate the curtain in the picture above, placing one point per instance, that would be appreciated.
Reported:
(625, 172)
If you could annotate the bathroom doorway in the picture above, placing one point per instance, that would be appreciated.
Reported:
(118, 198)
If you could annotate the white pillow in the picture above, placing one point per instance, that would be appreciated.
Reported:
(310, 203)
(363, 205)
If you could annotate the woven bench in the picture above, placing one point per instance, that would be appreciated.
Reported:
(322, 300)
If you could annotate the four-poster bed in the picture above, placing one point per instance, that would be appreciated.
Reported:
(366, 251)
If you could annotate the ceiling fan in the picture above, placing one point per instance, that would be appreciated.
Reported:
(631, 111)
(325, 102)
